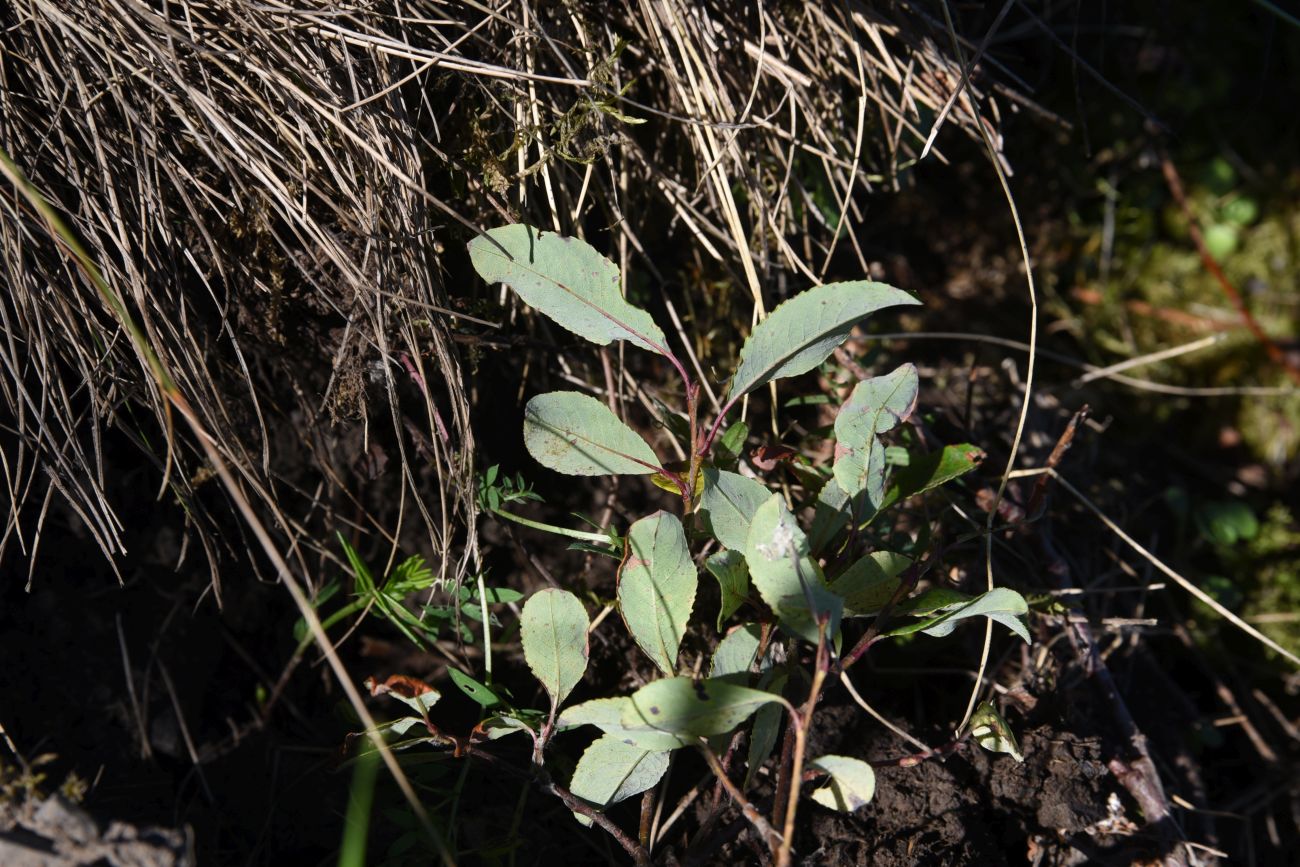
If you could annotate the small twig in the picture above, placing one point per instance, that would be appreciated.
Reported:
(747, 809)
(1038, 499)
(1155, 561)
(632, 847)
(802, 723)
(878, 717)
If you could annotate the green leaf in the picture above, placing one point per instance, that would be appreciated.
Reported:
(606, 714)
(688, 708)
(877, 405)
(869, 584)
(733, 578)
(576, 434)
(728, 503)
(1226, 523)
(611, 771)
(766, 729)
(802, 332)
(992, 732)
(735, 654)
(1001, 605)
(510, 722)
(925, 472)
(553, 627)
(727, 450)
(786, 576)
(852, 784)
(479, 692)
(568, 281)
(656, 587)
(831, 513)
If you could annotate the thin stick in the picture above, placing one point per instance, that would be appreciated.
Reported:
(1151, 358)
(1132, 382)
(1160, 564)
(1029, 376)
(801, 723)
(876, 715)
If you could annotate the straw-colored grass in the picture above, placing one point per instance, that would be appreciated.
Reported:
(272, 189)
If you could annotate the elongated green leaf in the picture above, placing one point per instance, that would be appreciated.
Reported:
(479, 692)
(799, 334)
(1001, 605)
(727, 450)
(728, 503)
(656, 587)
(877, 405)
(606, 714)
(786, 576)
(735, 653)
(870, 583)
(611, 771)
(993, 733)
(852, 784)
(925, 472)
(733, 579)
(692, 708)
(566, 279)
(576, 434)
(554, 632)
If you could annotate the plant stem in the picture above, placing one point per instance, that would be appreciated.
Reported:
(487, 627)
(693, 413)
(551, 528)
(632, 847)
(717, 423)
(802, 723)
(748, 810)
(647, 817)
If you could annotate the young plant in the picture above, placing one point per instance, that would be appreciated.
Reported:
(796, 571)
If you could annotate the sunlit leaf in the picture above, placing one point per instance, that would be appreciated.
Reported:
(992, 732)
(656, 587)
(689, 708)
(802, 332)
(925, 472)
(576, 434)
(728, 504)
(566, 279)
(553, 628)
(611, 771)
(1001, 605)
(606, 714)
(852, 783)
(786, 576)
(876, 406)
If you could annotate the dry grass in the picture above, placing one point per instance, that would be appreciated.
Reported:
(271, 188)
